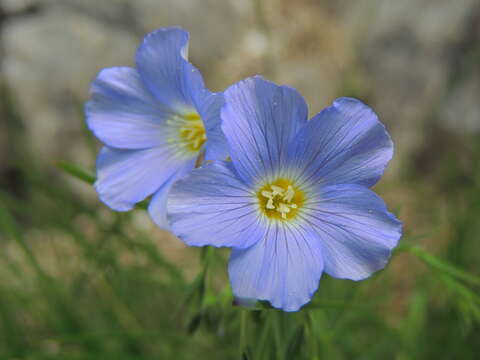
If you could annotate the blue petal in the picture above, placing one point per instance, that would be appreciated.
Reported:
(259, 120)
(210, 104)
(158, 205)
(343, 144)
(161, 62)
(125, 177)
(122, 113)
(177, 84)
(357, 232)
(284, 267)
(211, 206)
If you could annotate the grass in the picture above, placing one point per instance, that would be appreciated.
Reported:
(78, 281)
(81, 282)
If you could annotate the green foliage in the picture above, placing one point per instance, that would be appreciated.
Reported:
(79, 281)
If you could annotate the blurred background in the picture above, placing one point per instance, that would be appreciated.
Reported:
(78, 281)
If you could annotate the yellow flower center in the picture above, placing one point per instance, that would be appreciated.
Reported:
(280, 199)
(192, 133)
(189, 131)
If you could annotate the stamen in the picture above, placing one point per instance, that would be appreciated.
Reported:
(277, 190)
(283, 209)
(267, 194)
(280, 199)
(289, 194)
(188, 131)
(270, 204)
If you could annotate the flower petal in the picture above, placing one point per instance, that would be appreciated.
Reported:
(343, 144)
(210, 104)
(122, 113)
(125, 177)
(284, 267)
(157, 208)
(357, 232)
(211, 206)
(162, 63)
(259, 120)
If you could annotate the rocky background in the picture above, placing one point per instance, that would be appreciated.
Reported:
(415, 61)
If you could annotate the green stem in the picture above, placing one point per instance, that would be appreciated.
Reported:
(278, 335)
(311, 335)
(243, 332)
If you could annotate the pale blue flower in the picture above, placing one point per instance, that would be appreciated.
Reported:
(154, 120)
(294, 202)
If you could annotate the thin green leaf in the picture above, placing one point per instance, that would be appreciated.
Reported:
(86, 176)
(442, 265)
(76, 171)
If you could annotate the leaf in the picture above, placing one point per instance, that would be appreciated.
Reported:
(442, 265)
(85, 176)
(76, 171)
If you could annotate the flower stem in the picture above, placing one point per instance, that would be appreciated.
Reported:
(243, 332)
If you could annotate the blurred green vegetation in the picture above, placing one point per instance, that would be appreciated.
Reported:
(80, 282)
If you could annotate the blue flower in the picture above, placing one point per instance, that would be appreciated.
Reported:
(154, 121)
(294, 202)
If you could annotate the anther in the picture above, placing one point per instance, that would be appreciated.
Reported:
(279, 199)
